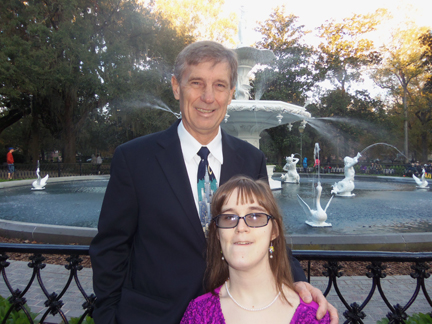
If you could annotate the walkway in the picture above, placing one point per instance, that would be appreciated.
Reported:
(398, 288)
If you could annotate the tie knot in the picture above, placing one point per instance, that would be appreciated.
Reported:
(203, 152)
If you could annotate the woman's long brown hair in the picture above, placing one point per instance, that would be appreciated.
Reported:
(248, 190)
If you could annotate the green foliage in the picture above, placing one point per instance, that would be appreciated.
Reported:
(75, 320)
(68, 57)
(198, 19)
(278, 168)
(345, 50)
(419, 318)
(292, 74)
(15, 317)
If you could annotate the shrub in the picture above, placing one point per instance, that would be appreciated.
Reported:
(15, 317)
(419, 318)
(75, 320)
(278, 168)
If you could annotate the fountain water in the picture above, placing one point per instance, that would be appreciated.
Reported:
(317, 216)
(375, 144)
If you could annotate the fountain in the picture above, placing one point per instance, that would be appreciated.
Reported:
(245, 118)
(39, 184)
(318, 216)
(291, 176)
(421, 183)
(345, 187)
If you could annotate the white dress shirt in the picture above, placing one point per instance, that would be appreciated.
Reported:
(190, 147)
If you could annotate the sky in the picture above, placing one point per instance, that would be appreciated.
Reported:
(312, 13)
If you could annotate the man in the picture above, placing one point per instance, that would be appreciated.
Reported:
(10, 163)
(148, 257)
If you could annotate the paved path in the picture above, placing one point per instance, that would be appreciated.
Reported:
(398, 288)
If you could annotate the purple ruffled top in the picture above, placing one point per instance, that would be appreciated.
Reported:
(207, 309)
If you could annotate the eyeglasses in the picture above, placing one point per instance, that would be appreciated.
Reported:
(252, 220)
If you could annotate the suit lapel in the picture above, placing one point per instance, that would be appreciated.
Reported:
(172, 163)
(233, 160)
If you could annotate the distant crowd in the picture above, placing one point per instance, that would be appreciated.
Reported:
(372, 168)
(416, 168)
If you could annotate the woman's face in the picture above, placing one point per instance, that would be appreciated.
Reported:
(243, 247)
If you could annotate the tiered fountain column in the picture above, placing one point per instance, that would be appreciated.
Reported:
(245, 118)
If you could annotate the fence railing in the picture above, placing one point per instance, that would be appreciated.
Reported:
(56, 169)
(354, 312)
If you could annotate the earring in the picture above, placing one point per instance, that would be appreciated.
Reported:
(222, 256)
(271, 250)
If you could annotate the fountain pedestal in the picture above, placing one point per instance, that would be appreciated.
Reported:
(273, 183)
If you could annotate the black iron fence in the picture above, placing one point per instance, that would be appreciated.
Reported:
(55, 169)
(353, 313)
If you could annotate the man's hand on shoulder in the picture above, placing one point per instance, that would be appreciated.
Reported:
(307, 293)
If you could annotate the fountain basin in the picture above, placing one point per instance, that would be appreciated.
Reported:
(401, 222)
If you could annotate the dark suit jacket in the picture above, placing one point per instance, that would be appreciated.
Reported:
(148, 256)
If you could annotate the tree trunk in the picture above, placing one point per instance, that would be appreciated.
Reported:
(35, 139)
(69, 146)
(424, 145)
(405, 108)
(69, 133)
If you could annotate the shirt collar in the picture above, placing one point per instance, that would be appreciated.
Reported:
(190, 146)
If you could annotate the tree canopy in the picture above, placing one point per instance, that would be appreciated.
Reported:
(346, 49)
(200, 19)
(61, 59)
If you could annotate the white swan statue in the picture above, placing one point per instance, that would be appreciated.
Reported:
(40, 183)
(317, 216)
(421, 183)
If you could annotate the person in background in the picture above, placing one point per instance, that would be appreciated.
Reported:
(248, 275)
(305, 164)
(10, 163)
(98, 163)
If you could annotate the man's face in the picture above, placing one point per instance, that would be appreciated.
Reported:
(204, 93)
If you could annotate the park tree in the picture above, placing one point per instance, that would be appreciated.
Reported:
(403, 72)
(346, 50)
(289, 77)
(62, 59)
(198, 19)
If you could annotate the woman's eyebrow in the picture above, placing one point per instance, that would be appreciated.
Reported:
(250, 209)
(257, 208)
(227, 210)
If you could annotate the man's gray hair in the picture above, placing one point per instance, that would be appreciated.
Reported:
(206, 51)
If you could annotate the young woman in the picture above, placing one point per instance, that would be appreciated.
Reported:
(248, 277)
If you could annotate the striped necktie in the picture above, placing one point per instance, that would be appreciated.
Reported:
(207, 186)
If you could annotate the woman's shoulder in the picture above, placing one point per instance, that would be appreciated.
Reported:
(204, 309)
(208, 297)
(306, 314)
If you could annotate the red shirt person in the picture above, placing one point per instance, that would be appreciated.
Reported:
(10, 162)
